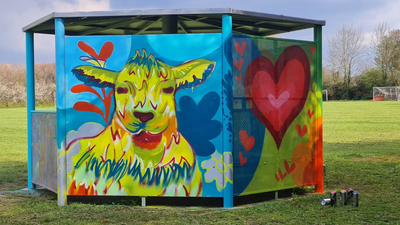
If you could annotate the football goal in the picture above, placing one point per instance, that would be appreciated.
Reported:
(386, 93)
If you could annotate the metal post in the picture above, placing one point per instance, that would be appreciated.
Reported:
(276, 195)
(61, 120)
(143, 201)
(227, 117)
(326, 95)
(170, 24)
(373, 94)
(319, 159)
(30, 102)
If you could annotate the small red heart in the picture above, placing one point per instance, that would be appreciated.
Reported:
(247, 142)
(241, 48)
(289, 169)
(238, 64)
(242, 160)
(276, 177)
(310, 114)
(281, 175)
(303, 131)
(312, 49)
(239, 79)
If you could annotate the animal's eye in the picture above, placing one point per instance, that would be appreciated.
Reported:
(122, 90)
(168, 90)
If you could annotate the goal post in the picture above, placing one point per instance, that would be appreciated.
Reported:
(326, 94)
(386, 93)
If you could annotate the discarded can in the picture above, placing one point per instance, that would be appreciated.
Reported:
(326, 201)
(355, 199)
(333, 198)
(349, 196)
(343, 198)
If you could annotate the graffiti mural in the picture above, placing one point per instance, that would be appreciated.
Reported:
(44, 150)
(149, 115)
(277, 117)
(130, 131)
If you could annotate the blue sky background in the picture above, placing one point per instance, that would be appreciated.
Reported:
(16, 14)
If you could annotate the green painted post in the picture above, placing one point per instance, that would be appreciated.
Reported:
(318, 40)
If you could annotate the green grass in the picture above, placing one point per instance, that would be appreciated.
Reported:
(361, 151)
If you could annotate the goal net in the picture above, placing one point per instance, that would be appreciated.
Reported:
(386, 93)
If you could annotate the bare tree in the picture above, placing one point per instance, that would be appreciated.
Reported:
(386, 49)
(346, 52)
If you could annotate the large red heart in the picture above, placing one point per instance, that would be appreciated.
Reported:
(278, 92)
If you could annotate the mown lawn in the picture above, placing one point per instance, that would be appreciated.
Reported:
(361, 151)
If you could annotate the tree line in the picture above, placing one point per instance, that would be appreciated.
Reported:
(354, 65)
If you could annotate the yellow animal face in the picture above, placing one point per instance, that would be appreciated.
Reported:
(145, 94)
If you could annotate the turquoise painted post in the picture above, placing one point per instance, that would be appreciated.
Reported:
(227, 106)
(30, 101)
(61, 116)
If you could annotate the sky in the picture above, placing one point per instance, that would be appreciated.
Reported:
(15, 14)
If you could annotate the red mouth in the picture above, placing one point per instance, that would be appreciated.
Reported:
(146, 140)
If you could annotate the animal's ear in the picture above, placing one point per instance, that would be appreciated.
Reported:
(192, 73)
(95, 76)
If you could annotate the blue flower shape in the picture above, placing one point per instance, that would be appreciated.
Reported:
(196, 123)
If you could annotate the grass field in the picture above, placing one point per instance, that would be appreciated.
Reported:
(361, 151)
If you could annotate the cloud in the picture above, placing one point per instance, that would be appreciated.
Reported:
(16, 14)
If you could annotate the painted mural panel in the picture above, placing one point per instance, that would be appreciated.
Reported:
(144, 115)
(277, 119)
(44, 150)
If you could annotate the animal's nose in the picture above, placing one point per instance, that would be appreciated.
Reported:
(143, 116)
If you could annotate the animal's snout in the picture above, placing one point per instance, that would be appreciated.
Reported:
(143, 116)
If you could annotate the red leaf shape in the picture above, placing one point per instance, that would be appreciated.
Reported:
(88, 49)
(88, 107)
(106, 50)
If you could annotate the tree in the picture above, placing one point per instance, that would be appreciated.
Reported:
(346, 53)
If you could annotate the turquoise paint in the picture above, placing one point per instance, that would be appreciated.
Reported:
(227, 115)
(60, 88)
(30, 93)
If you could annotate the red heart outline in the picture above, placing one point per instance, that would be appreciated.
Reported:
(241, 159)
(277, 178)
(310, 114)
(281, 175)
(240, 48)
(239, 79)
(247, 142)
(239, 64)
(313, 49)
(301, 131)
(282, 116)
(289, 169)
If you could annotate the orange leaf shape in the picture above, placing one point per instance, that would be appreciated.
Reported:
(88, 107)
(106, 50)
(88, 49)
(79, 88)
